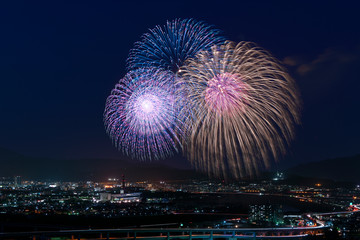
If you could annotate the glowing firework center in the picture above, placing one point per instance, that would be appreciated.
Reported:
(151, 112)
(147, 106)
(225, 92)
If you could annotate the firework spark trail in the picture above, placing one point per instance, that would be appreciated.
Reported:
(140, 114)
(167, 47)
(245, 106)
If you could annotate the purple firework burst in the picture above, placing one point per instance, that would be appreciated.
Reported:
(140, 114)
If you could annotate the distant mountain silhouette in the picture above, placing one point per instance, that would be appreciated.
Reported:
(340, 169)
(13, 164)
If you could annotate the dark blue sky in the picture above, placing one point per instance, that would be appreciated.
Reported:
(59, 61)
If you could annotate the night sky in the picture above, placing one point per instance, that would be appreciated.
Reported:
(59, 61)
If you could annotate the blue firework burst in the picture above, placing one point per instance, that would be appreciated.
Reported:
(168, 46)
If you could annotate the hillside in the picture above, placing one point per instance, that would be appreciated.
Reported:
(340, 169)
(13, 164)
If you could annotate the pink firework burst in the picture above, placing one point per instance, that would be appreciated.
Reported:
(244, 108)
(226, 92)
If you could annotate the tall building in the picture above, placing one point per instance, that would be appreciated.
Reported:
(17, 181)
(270, 215)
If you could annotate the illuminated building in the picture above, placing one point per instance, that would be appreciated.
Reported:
(279, 176)
(120, 198)
(17, 181)
(266, 214)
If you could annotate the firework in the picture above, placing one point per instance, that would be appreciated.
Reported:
(140, 114)
(167, 47)
(245, 106)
